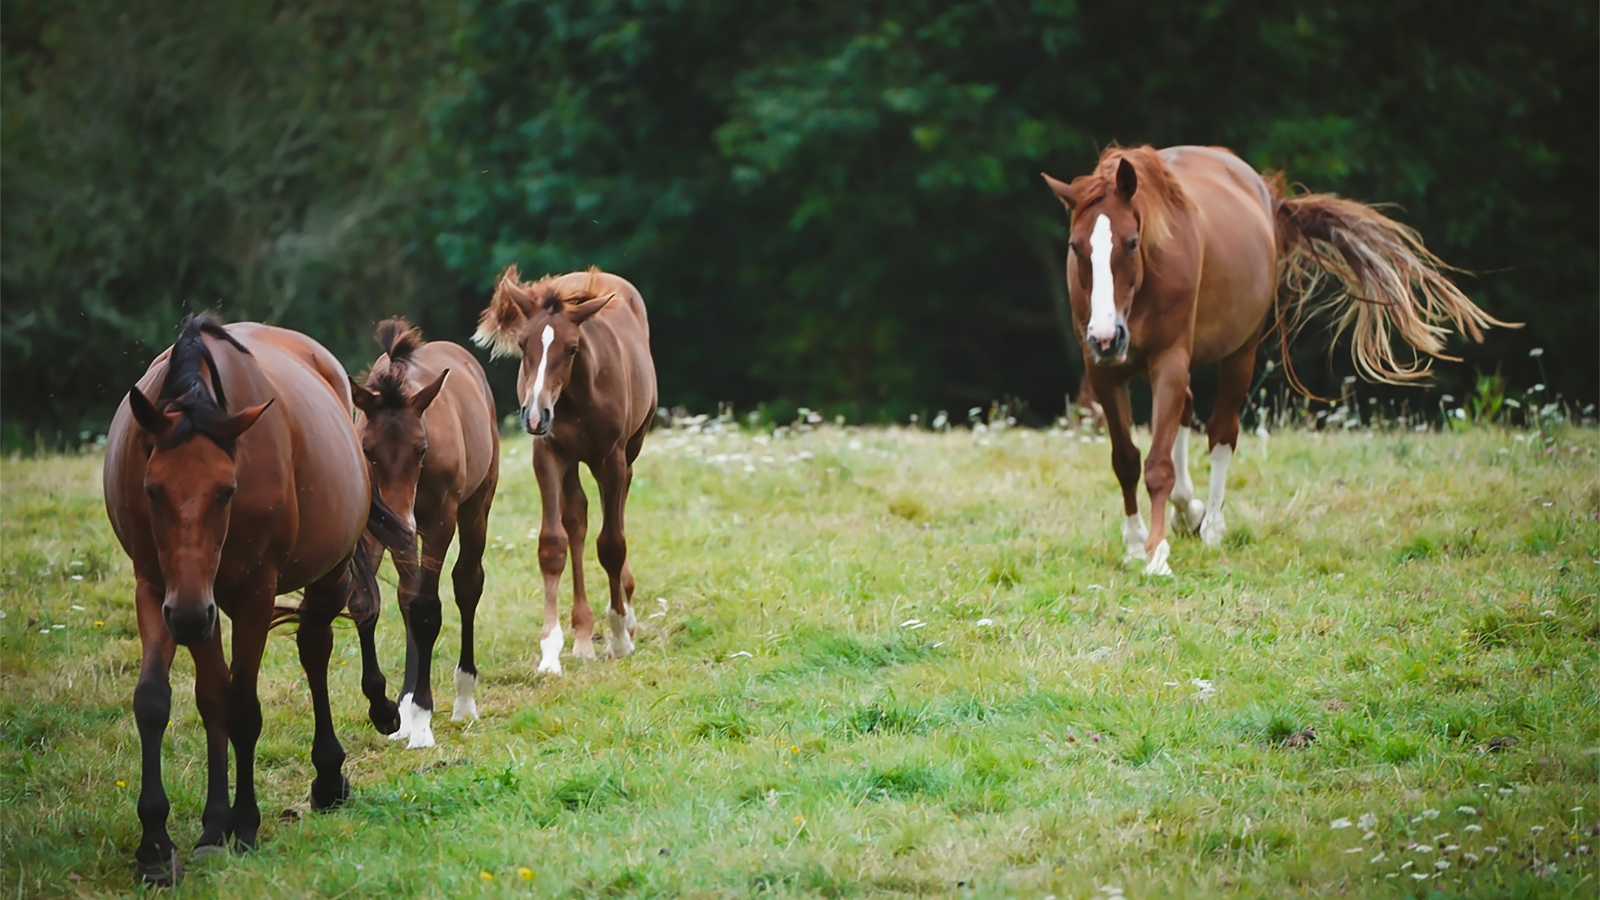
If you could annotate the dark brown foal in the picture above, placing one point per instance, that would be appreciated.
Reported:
(587, 390)
(427, 427)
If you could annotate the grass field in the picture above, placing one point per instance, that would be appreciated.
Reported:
(891, 662)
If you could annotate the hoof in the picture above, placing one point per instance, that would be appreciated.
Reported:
(323, 798)
(385, 716)
(206, 851)
(1213, 529)
(1158, 561)
(402, 730)
(1191, 514)
(583, 649)
(465, 706)
(1134, 535)
(165, 873)
(421, 729)
(622, 628)
(550, 651)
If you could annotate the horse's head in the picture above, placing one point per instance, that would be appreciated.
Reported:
(394, 437)
(1104, 260)
(546, 326)
(189, 482)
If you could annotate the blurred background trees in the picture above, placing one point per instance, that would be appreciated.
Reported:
(827, 204)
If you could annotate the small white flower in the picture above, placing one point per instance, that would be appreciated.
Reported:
(1535, 829)
(985, 623)
(1439, 837)
(1467, 810)
(1543, 614)
(1339, 823)
(1442, 864)
(1408, 864)
(910, 623)
(1536, 352)
(1473, 827)
(1470, 857)
(1452, 848)
(77, 607)
(1418, 876)
(1576, 809)
(1430, 814)
(1491, 849)
(1379, 858)
(744, 653)
(59, 627)
(1354, 850)
(1423, 848)
(1485, 785)
(1369, 835)
(1368, 821)
(1094, 587)
(1169, 684)
(1447, 398)
(77, 578)
(1505, 791)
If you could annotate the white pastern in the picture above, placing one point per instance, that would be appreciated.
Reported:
(1158, 560)
(421, 729)
(466, 707)
(1190, 510)
(1134, 536)
(621, 631)
(1213, 527)
(1102, 291)
(583, 647)
(550, 651)
(407, 710)
(538, 378)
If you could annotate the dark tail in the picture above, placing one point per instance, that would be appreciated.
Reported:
(384, 528)
(1388, 281)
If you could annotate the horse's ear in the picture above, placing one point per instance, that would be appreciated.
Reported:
(146, 414)
(500, 323)
(586, 310)
(1127, 179)
(363, 398)
(1063, 191)
(420, 400)
(238, 424)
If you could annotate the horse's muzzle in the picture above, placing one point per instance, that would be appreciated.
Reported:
(1113, 350)
(537, 424)
(192, 625)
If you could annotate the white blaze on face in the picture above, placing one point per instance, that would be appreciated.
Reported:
(538, 380)
(1102, 291)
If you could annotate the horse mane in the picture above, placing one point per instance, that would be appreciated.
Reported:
(515, 300)
(400, 340)
(184, 389)
(1158, 197)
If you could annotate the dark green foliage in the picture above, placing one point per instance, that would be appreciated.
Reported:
(832, 206)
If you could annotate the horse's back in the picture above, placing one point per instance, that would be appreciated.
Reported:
(1239, 270)
(468, 423)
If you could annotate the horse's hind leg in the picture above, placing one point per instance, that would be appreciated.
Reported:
(211, 697)
(612, 546)
(575, 519)
(472, 524)
(1124, 458)
(1233, 385)
(323, 601)
(1190, 510)
(383, 712)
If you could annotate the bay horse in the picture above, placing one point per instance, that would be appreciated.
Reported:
(1175, 259)
(226, 511)
(434, 451)
(587, 393)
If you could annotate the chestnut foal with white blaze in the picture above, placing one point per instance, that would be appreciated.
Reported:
(427, 425)
(587, 391)
(1174, 260)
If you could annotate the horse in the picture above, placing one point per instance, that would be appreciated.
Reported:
(587, 393)
(434, 453)
(220, 510)
(1176, 258)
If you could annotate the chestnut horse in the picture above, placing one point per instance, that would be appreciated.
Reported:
(434, 452)
(1174, 260)
(587, 389)
(227, 511)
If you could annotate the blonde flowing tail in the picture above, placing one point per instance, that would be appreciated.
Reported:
(1388, 282)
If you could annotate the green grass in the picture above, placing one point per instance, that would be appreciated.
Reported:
(1410, 596)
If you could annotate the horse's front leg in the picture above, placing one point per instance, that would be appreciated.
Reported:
(1169, 378)
(548, 469)
(612, 546)
(425, 620)
(323, 601)
(472, 524)
(157, 856)
(575, 520)
(211, 697)
(409, 573)
(1113, 394)
(1190, 510)
(251, 620)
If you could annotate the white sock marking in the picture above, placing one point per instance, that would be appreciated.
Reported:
(1213, 526)
(421, 728)
(1134, 535)
(1102, 291)
(1190, 511)
(465, 707)
(621, 626)
(1158, 561)
(406, 709)
(538, 379)
(550, 651)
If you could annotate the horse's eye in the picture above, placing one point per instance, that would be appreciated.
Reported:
(1132, 243)
(422, 450)
(225, 493)
(572, 351)
(152, 491)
